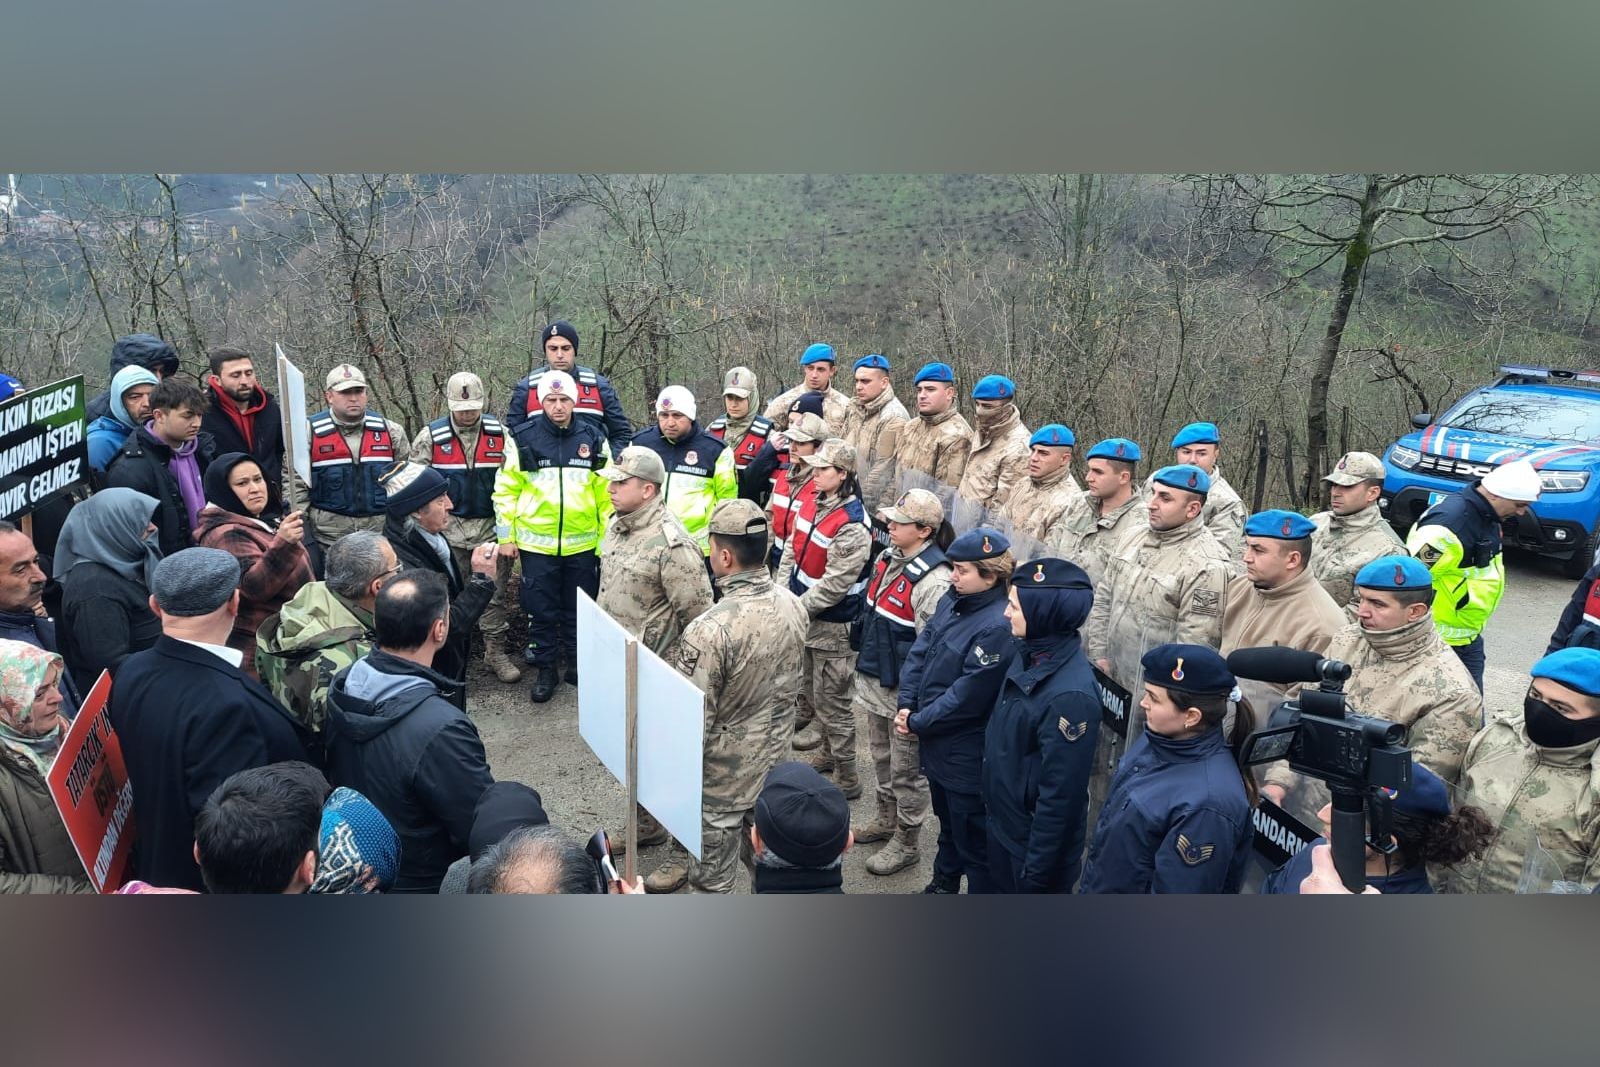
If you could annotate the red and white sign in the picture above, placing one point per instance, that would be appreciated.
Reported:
(89, 783)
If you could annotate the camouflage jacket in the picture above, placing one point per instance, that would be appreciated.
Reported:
(873, 430)
(1297, 614)
(314, 636)
(1406, 675)
(998, 460)
(654, 580)
(1036, 505)
(1551, 795)
(834, 404)
(744, 653)
(936, 446)
(1223, 515)
(1343, 544)
(1088, 538)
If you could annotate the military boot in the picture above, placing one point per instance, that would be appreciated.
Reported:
(497, 659)
(846, 778)
(670, 876)
(879, 829)
(544, 684)
(897, 855)
(820, 761)
(941, 885)
(807, 737)
(570, 675)
(651, 832)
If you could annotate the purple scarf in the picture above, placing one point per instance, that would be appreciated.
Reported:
(187, 472)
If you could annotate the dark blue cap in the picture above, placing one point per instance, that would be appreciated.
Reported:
(994, 387)
(1192, 668)
(1196, 433)
(983, 543)
(1116, 448)
(1279, 524)
(9, 387)
(934, 372)
(559, 328)
(807, 402)
(1394, 572)
(1426, 795)
(818, 353)
(1053, 435)
(1051, 573)
(1185, 476)
(1575, 668)
(872, 362)
(802, 817)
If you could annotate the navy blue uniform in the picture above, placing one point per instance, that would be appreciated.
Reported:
(1177, 820)
(950, 681)
(596, 401)
(1037, 755)
(1287, 879)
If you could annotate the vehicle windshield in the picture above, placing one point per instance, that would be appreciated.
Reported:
(1514, 413)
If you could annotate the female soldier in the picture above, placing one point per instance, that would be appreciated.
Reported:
(947, 689)
(1177, 819)
(1425, 831)
(1039, 747)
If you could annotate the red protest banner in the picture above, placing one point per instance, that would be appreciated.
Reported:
(89, 783)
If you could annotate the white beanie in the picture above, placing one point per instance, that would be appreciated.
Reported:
(1514, 481)
(676, 398)
(558, 382)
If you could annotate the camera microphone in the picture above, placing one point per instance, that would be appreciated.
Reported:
(1275, 664)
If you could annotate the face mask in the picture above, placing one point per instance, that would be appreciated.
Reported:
(1548, 728)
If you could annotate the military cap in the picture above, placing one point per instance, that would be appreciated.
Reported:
(1394, 572)
(736, 518)
(1054, 434)
(464, 391)
(194, 581)
(1196, 433)
(983, 543)
(1051, 573)
(1575, 668)
(1426, 795)
(801, 816)
(345, 376)
(1354, 467)
(1118, 448)
(740, 382)
(1185, 476)
(409, 487)
(934, 372)
(636, 461)
(1280, 525)
(834, 452)
(808, 427)
(816, 354)
(1192, 668)
(915, 505)
(810, 401)
(994, 387)
(872, 362)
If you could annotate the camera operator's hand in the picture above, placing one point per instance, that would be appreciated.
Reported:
(1324, 878)
(1275, 793)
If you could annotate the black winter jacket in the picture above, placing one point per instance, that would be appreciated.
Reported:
(134, 350)
(469, 595)
(267, 422)
(105, 618)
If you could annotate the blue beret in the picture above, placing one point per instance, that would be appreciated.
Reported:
(1051, 573)
(816, 354)
(934, 372)
(1279, 524)
(1192, 668)
(994, 387)
(872, 362)
(1054, 434)
(983, 543)
(1196, 433)
(1394, 572)
(1185, 476)
(1426, 795)
(1575, 668)
(1116, 448)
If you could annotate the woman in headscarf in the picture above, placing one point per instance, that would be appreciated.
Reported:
(1039, 745)
(104, 561)
(242, 518)
(36, 854)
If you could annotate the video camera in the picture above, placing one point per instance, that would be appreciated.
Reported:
(1358, 756)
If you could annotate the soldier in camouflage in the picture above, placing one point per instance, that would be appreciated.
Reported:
(872, 425)
(1353, 532)
(744, 654)
(1039, 500)
(937, 442)
(1199, 443)
(1098, 519)
(998, 461)
(817, 364)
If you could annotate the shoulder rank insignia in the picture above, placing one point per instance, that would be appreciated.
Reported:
(1071, 731)
(985, 658)
(1429, 555)
(1193, 855)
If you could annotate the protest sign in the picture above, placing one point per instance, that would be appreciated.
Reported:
(89, 784)
(44, 452)
(292, 402)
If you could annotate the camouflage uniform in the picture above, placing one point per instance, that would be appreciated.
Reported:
(1527, 791)
(873, 430)
(654, 581)
(742, 653)
(1088, 538)
(1297, 614)
(998, 460)
(1406, 675)
(1037, 504)
(1223, 514)
(314, 636)
(1343, 544)
(936, 446)
(834, 406)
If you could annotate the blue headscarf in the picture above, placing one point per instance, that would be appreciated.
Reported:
(1054, 609)
(357, 850)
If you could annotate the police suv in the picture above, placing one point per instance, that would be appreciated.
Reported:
(1548, 416)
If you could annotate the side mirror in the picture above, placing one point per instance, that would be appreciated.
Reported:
(1423, 421)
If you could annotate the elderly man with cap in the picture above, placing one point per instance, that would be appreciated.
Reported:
(1353, 532)
(1198, 444)
(1534, 772)
(187, 716)
(826, 564)
(908, 581)
(700, 471)
(550, 505)
(1400, 670)
(1277, 600)
(744, 653)
(419, 515)
(998, 459)
(933, 447)
(872, 425)
(817, 364)
(469, 448)
(801, 832)
(593, 397)
(1459, 541)
(740, 428)
(1099, 518)
(1038, 501)
(351, 447)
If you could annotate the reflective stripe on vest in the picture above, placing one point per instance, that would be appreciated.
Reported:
(812, 536)
(749, 444)
(894, 603)
(1591, 603)
(471, 485)
(784, 504)
(588, 398)
(359, 492)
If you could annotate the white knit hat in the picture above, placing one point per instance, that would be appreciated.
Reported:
(557, 382)
(676, 398)
(1513, 481)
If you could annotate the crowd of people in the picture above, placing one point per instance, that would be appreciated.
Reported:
(289, 683)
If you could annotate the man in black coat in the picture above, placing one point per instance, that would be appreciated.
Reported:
(134, 350)
(243, 417)
(393, 737)
(167, 460)
(188, 717)
(419, 510)
(802, 832)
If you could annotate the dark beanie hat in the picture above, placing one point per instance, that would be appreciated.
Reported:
(559, 328)
(504, 807)
(807, 402)
(410, 486)
(802, 817)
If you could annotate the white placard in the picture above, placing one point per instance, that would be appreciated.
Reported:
(602, 686)
(296, 430)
